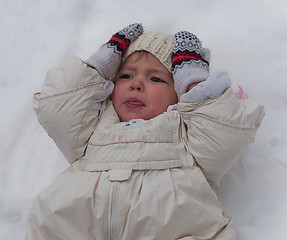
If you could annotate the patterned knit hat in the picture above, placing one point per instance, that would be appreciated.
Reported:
(158, 44)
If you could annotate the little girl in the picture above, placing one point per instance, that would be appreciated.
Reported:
(149, 135)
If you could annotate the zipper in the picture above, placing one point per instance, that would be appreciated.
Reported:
(115, 184)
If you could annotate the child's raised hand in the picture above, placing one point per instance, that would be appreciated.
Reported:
(190, 65)
(108, 58)
(190, 61)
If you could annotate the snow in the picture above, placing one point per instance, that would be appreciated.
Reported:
(247, 39)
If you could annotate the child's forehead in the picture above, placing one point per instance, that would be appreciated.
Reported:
(142, 56)
(145, 62)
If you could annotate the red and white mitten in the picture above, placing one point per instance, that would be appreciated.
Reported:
(108, 58)
(190, 64)
(190, 61)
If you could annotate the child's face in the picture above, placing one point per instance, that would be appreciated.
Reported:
(144, 88)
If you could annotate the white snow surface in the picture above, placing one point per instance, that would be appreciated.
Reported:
(248, 39)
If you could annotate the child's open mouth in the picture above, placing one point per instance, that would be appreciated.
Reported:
(134, 103)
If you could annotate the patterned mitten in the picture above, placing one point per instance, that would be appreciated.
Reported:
(190, 61)
(108, 58)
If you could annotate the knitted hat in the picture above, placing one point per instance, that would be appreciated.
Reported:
(158, 44)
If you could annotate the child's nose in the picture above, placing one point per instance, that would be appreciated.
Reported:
(137, 84)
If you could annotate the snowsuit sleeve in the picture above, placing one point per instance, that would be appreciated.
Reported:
(218, 130)
(65, 108)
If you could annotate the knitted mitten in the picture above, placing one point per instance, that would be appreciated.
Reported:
(108, 58)
(190, 61)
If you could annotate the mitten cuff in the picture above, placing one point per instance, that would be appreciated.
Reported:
(107, 90)
(105, 61)
(190, 72)
(210, 88)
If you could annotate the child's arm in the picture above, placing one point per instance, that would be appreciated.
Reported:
(219, 130)
(219, 125)
(68, 107)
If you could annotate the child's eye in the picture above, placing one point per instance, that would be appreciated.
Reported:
(126, 76)
(156, 79)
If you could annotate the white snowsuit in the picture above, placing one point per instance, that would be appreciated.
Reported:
(146, 179)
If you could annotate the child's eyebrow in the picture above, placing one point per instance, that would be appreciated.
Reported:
(126, 67)
(130, 67)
